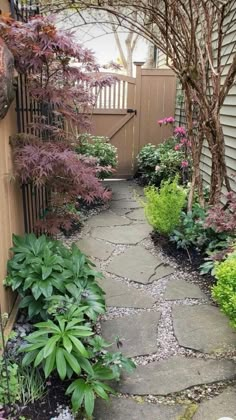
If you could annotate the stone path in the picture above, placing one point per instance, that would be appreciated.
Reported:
(183, 346)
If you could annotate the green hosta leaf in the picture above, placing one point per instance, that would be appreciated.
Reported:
(39, 358)
(45, 288)
(51, 344)
(34, 346)
(46, 272)
(85, 365)
(50, 363)
(89, 399)
(61, 363)
(77, 389)
(67, 344)
(72, 361)
(100, 391)
(36, 291)
(78, 345)
(102, 372)
(29, 358)
(49, 326)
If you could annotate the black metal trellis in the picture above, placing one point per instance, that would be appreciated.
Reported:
(35, 199)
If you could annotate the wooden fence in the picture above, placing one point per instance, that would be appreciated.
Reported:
(11, 214)
(127, 113)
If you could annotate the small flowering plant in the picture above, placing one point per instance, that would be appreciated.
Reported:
(166, 120)
(182, 145)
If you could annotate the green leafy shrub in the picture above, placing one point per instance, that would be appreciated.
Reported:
(59, 284)
(162, 162)
(147, 159)
(191, 230)
(163, 207)
(101, 149)
(65, 345)
(225, 290)
(41, 270)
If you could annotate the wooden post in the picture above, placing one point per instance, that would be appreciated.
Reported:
(138, 65)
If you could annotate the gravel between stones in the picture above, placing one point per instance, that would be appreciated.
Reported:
(167, 343)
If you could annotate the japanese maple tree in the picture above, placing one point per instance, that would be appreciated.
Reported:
(61, 77)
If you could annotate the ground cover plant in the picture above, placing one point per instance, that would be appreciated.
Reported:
(63, 301)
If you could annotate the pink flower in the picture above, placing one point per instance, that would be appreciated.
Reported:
(178, 146)
(184, 164)
(184, 141)
(180, 131)
(157, 168)
(170, 120)
(166, 120)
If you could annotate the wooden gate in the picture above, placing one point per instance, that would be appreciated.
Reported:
(127, 113)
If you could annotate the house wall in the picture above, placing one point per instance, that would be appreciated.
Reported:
(11, 211)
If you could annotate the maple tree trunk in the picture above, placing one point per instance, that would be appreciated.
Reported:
(196, 142)
(216, 144)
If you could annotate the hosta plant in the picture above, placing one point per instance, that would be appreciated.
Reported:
(43, 271)
(58, 344)
(65, 345)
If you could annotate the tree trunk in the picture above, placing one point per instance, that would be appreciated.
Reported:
(216, 144)
(196, 140)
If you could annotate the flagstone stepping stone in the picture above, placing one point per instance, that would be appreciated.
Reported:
(121, 212)
(224, 405)
(125, 204)
(123, 296)
(137, 214)
(94, 248)
(129, 235)
(203, 328)
(137, 333)
(135, 263)
(181, 289)
(174, 375)
(128, 409)
(162, 270)
(108, 218)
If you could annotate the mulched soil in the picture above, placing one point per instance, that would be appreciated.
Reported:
(189, 262)
(46, 407)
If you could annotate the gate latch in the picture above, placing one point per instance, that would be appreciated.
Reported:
(130, 111)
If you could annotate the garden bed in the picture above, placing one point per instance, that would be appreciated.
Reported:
(188, 261)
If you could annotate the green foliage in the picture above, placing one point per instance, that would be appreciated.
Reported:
(9, 383)
(65, 345)
(163, 207)
(32, 384)
(157, 163)
(59, 284)
(43, 270)
(58, 345)
(191, 231)
(101, 149)
(225, 290)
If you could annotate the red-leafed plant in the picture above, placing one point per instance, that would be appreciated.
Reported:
(61, 77)
(222, 218)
